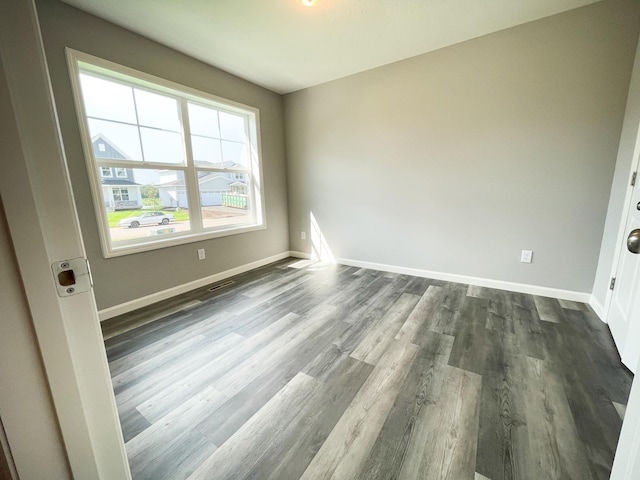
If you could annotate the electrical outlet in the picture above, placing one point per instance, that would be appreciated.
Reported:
(527, 256)
(303, 235)
(201, 254)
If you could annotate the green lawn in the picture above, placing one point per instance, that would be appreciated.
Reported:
(115, 217)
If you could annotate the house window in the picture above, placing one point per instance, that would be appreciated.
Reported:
(120, 195)
(180, 151)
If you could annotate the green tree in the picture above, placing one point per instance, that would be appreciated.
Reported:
(150, 196)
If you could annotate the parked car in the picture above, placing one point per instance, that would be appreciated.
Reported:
(147, 218)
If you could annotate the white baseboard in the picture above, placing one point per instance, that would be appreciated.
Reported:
(598, 308)
(177, 290)
(306, 256)
(481, 282)
(449, 277)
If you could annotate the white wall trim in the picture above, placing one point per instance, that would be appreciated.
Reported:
(451, 277)
(126, 307)
(598, 308)
(295, 254)
(186, 287)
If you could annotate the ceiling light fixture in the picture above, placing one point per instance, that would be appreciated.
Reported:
(309, 3)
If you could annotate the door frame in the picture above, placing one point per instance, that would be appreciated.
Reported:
(44, 227)
(622, 232)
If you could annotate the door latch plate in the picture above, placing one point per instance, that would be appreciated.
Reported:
(72, 276)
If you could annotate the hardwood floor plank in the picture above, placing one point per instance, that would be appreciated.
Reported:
(501, 317)
(480, 477)
(620, 408)
(549, 309)
(374, 301)
(452, 300)
(373, 346)
(178, 464)
(348, 444)
(271, 354)
(556, 450)
(597, 421)
(451, 453)
(164, 436)
(307, 379)
(311, 427)
(421, 388)
(475, 291)
(527, 326)
(142, 368)
(424, 310)
(572, 305)
(503, 447)
(468, 328)
(162, 402)
(145, 320)
(142, 351)
(132, 423)
(150, 394)
(231, 460)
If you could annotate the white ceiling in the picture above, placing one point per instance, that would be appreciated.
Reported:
(285, 46)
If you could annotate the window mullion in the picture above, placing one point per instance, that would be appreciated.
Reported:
(191, 175)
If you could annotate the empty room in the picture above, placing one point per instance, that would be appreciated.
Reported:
(313, 239)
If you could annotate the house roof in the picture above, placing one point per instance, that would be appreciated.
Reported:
(207, 177)
(119, 182)
(111, 151)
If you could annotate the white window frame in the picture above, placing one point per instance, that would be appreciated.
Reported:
(120, 192)
(122, 171)
(102, 174)
(78, 61)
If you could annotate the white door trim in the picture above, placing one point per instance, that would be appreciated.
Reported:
(622, 233)
(44, 227)
(626, 464)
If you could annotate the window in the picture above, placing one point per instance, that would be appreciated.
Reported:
(190, 156)
(120, 195)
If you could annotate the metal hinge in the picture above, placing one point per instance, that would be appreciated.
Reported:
(613, 283)
(633, 179)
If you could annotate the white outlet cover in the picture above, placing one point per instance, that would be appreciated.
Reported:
(527, 256)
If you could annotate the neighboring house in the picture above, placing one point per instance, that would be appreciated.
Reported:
(119, 190)
(213, 185)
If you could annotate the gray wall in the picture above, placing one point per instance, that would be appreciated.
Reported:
(125, 278)
(628, 138)
(456, 160)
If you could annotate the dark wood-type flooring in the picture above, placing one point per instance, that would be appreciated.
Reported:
(303, 370)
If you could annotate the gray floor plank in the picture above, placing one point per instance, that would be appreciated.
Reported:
(421, 389)
(451, 453)
(424, 311)
(373, 346)
(164, 436)
(503, 446)
(348, 445)
(555, 447)
(549, 309)
(263, 429)
(329, 371)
